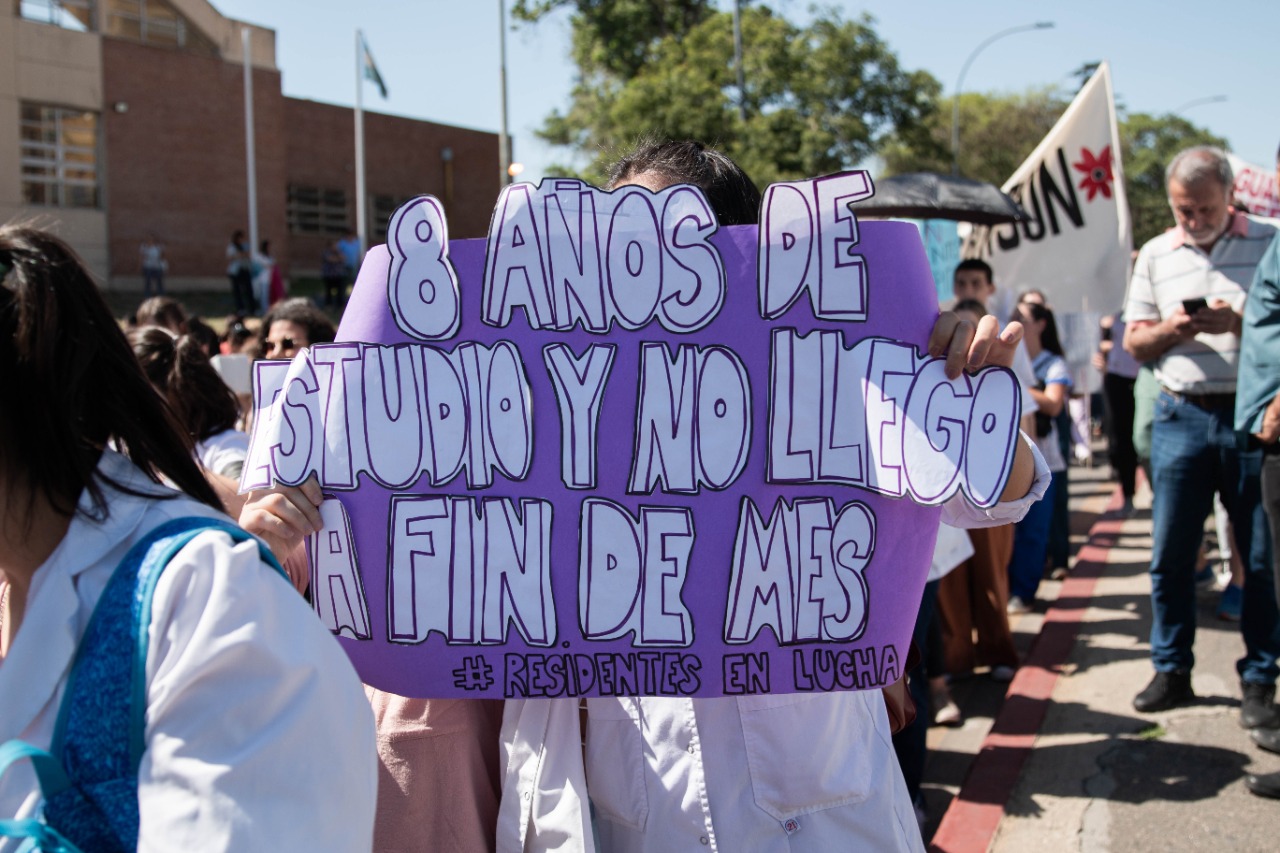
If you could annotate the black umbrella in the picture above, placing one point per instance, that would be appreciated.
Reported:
(929, 195)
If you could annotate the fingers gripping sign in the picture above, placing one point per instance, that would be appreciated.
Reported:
(282, 516)
(967, 347)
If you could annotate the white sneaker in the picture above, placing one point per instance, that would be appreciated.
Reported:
(1017, 606)
(948, 714)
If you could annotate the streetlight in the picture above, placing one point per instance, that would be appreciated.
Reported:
(1212, 99)
(955, 98)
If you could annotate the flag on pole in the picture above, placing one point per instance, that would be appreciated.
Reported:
(1076, 245)
(370, 68)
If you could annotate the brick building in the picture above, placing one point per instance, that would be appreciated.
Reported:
(122, 118)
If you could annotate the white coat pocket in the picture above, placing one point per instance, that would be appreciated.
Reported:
(807, 752)
(616, 761)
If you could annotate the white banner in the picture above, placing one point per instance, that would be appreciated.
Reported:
(1255, 188)
(1076, 246)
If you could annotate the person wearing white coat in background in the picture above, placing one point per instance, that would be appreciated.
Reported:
(257, 735)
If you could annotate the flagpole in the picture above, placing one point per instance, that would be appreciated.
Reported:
(360, 205)
(250, 152)
(504, 138)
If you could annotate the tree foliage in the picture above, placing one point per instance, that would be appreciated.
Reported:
(1147, 144)
(997, 132)
(818, 97)
(617, 36)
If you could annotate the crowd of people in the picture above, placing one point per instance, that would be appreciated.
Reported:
(119, 458)
(1190, 398)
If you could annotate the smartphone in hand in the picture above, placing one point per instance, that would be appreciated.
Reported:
(1191, 306)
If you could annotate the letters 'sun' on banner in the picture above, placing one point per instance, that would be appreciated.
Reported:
(615, 449)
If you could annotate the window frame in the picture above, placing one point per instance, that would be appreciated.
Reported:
(57, 166)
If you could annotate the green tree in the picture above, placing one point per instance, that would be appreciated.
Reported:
(1147, 144)
(818, 97)
(998, 132)
(617, 36)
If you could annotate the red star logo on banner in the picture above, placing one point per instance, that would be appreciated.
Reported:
(1097, 172)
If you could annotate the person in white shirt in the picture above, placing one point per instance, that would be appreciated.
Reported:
(257, 735)
(794, 772)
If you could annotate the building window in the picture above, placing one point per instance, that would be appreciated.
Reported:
(383, 206)
(313, 210)
(69, 14)
(59, 156)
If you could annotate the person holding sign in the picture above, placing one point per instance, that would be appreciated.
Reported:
(810, 772)
(618, 412)
(161, 686)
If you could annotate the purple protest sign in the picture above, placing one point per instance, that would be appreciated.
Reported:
(616, 450)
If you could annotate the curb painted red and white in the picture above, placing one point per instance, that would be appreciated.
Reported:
(970, 824)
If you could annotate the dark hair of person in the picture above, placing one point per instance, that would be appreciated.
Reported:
(1049, 337)
(70, 385)
(162, 311)
(205, 335)
(180, 370)
(303, 312)
(973, 306)
(979, 265)
(733, 197)
(237, 332)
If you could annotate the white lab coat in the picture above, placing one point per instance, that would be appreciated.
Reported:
(258, 733)
(786, 773)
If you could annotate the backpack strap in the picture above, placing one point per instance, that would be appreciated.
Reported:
(53, 780)
(106, 697)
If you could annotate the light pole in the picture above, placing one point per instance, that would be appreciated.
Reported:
(1212, 99)
(964, 69)
(737, 60)
(504, 140)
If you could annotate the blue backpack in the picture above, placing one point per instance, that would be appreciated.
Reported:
(89, 776)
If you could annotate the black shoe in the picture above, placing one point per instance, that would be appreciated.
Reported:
(1167, 690)
(1257, 707)
(1268, 739)
(1264, 784)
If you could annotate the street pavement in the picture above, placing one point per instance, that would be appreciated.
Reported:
(1058, 760)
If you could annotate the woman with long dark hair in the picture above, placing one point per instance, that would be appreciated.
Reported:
(206, 408)
(213, 713)
(1053, 387)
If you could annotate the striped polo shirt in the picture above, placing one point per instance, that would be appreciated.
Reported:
(1169, 269)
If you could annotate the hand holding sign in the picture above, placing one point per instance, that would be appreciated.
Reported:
(969, 347)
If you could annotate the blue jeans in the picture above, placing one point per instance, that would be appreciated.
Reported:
(1030, 543)
(152, 282)
(1194, 452)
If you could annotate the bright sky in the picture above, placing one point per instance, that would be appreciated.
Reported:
(440, 58)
